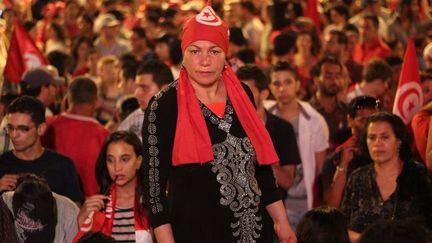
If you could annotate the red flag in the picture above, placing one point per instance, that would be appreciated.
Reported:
(311, 11)
(23, 54)
(409, 95)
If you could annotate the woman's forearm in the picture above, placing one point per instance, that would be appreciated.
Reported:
(164, 234)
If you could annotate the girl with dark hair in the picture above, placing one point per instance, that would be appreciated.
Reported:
(321, 225)
(118, 210)
(80, 54)
(394, 187)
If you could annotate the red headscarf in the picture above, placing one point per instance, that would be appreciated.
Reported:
(192, 141)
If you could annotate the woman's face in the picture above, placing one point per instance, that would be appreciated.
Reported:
(382, 143)
(162, 51)
(122, 163)
(204, 62)
(304, 42)
(83, 50)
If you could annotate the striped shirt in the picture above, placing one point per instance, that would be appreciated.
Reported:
(123, 229)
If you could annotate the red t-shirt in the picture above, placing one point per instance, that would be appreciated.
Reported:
(80, 138)
(378, 49)
(420, 127)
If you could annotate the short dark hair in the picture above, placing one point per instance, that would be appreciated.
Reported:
(31, 91)
(341, 36)
(253, 72)
(34, 200)
(363, 102)
(395, 231)
(399, 130)
(82, 90)
(283, 66)
(246, 55)
(249, 6)
(284, 43)
(351, 28)
(393, 60)
(160, 71)
(96, 237)
(321, 225)
(140, 31)
(330, 59)
(237, 37)
(30, 106)
(377, 69)
(342, 9)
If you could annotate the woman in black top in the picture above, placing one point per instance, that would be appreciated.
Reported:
(207, 155)
(394, 186)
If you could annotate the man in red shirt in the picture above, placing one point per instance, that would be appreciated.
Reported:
(371, 45)
(77, 134)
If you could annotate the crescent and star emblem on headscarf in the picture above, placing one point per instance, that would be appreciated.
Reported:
(208, 17)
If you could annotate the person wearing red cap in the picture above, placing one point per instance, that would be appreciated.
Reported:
(207, 154)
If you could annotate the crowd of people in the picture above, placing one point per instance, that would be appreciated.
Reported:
(215, 121)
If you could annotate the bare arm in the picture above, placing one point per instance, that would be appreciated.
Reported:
(428, 153)
(353, 236)
(333, 195)
(284, 175)
(282, 228)
(319, 158)
(164, 233)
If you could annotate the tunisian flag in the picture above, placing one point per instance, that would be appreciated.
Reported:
(409, 95)
(22, 55)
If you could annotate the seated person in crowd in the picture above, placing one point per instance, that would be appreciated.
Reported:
(394, 187)
(39, 214)
(323, 225)
(119, 172)
(25, 126)
(348, 157)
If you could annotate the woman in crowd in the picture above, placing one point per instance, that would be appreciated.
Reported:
(118, 210)
(322, 225)
(394, 186)
(205, 145)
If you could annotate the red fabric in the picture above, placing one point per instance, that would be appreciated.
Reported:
(420, 128)
(81, 141)
(22, 55)
(311, 12)
(103, 221)
(378, 49)
(206, 26)
(192, 141)
(409, 94)
(217, 108)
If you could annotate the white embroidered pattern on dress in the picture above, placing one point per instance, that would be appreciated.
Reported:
(234, 166)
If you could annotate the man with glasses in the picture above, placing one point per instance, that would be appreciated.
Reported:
(25, 126)
(348, 157)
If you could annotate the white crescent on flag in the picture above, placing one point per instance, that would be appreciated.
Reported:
(409, 100)
(208, 17)
(31, 61)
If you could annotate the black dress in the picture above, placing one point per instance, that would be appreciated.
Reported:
(220, 201)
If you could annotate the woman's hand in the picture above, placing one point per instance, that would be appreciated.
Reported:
(285, 234)
(92, 204)
(8, 182)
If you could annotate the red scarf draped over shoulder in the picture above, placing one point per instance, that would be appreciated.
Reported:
(192, 140)
(103, 221)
